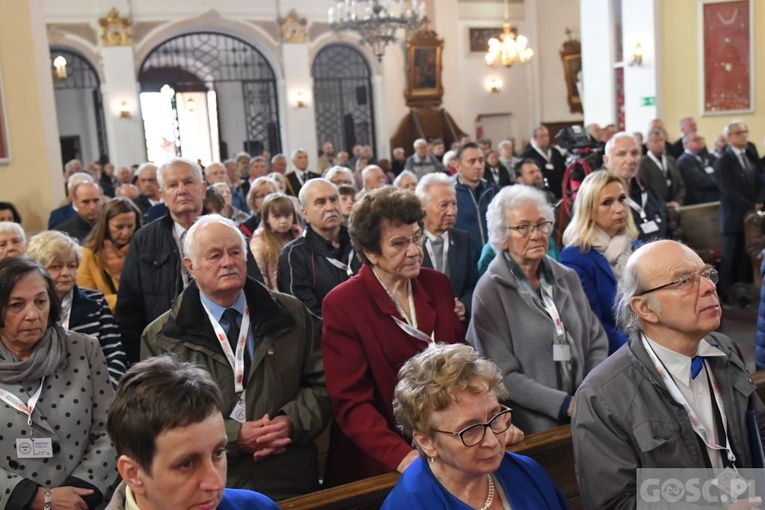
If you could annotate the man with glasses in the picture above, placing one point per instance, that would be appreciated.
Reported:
(676, 395)
(737, 173)
(447, 249)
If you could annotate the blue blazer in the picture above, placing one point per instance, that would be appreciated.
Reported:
(462, 268)
(236, 499)
(599, 284)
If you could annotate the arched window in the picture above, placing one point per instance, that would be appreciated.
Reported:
(243, 114)
(79, 106)
(342, 91)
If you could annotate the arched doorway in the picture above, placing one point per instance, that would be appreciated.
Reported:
(342, 90)
(208, 96)
(79, 107)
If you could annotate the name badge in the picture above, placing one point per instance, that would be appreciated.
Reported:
(550, 166)
(710, 170)
(239, 413)
(649, 227)
(561, 352)
(34, 448)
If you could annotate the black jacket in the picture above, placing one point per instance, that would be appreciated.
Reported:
(739, 190)
(75, 227)
(305, 272)
(504, 175)
(655, 210)
(700, 186)
(151, 281)
(554, 176)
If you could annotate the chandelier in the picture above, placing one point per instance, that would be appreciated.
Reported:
(510, 48)
(377, 20)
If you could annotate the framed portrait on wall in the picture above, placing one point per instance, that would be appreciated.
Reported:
(479, 38)
(423, 69)
(727, 58)
(571, 56)
(5, 147)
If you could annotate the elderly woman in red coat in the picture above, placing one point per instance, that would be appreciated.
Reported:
(373, 323)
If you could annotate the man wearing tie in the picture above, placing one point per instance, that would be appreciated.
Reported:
(737, 174)
(262, 349)
(447, 249)
(659, 171)
(697, 172)
(550, 160)
(677, 395)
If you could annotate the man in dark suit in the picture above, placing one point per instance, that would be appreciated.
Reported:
(659, 171)
(687, 126)
(447, 249)
(299, 173)
(549, 159)
(148, 188)
(697, 172)
(495, 171)
(737, 175)
(87, 201)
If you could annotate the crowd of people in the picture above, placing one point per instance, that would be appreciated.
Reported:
(418, 314)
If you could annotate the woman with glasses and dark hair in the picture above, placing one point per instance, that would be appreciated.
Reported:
(530, 314)
(375, 321)
(448, 400)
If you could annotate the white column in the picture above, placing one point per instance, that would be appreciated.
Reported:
(127, 145)
(300, 122)
(383, 148)
(640, 22)
(599, 94)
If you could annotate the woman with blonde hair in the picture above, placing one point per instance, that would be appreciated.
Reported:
(599, 240)
(278, 226)
(82, 310)
(449, 401)
(104, 252)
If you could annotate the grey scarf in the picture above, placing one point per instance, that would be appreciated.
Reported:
(48, 356)
(615, 249)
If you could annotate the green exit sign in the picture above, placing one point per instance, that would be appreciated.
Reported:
(648, 101)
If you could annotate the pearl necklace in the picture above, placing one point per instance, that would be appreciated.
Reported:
(490, 495)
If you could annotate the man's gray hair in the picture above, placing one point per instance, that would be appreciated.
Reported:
(337, 169)
(211, 165)
(11, 227)
(430, 180)
(419, 141)
(190, 248)
(730, 125)
(365, 174)
(277, 156)
(178, 162)
(626, 318)
(76, 179)
(397, 150)
(143, 167)
(78, 184)
(405, 173)
(296, 152)
(612, 141)
(303, 194)
(507, 199)
(503, 144)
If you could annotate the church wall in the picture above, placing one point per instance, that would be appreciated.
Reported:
(680, 82)
(33, 179)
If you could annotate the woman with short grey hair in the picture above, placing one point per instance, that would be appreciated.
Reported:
(530, 314)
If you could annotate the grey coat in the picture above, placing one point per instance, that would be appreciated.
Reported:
(625, 419)
(72, 412)
(518, 336)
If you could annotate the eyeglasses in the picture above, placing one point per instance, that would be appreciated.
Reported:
(402, 243)
(472, 435)
(687, 281)
(544, 228)
(743, 132)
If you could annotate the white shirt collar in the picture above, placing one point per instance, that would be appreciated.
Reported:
(679, 365)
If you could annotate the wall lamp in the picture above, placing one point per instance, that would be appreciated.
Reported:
(300, 100)
(494, 85)
(125, 110)
(637, 55)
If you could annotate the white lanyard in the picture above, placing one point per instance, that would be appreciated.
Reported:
(552, 311)
(680, 399)
(345, 267)
(634, 205)
(236, 360)
(432, 255)
(547, 156)
(15, 402)
(65, 319)
(410, 326)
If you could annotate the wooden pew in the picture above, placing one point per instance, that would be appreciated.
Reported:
(552, 449)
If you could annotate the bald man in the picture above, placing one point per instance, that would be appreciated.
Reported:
(654, 403)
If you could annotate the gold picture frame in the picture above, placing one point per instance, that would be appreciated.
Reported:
(5, 147)
(571, 56)
(423, 69)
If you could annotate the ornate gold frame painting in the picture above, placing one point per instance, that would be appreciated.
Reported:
(5, 148)
(571, 55)
(423, 69)
(727, 56)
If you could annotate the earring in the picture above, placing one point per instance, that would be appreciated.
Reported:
(432, 460)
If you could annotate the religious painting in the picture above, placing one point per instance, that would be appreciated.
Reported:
(571, 56)
(479, 38)
(727, 56)
(5, 148)
(423, 69)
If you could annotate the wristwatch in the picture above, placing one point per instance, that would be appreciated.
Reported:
(48, 500)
